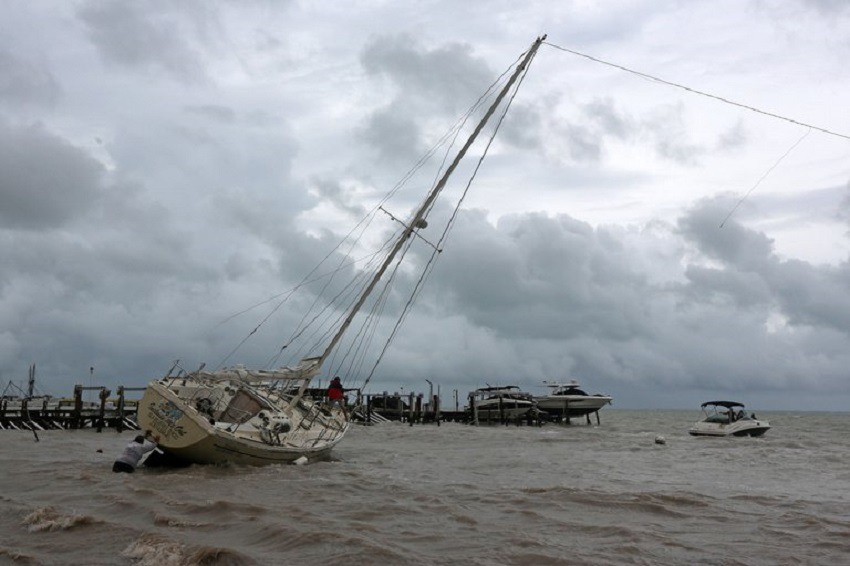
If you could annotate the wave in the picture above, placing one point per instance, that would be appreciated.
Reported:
(49, 519)
(218, 507)
(156, 550)
(164, 521)
(15, 556)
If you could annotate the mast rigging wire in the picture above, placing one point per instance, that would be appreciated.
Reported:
(766, 173)
(449, 225)
(699, 92)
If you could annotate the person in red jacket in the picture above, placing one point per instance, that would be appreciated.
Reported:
(336, 395)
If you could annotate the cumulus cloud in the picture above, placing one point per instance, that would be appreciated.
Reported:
(422, 81)
(25, 82)
(147, 36)
(732, 315)
(46, 181)
(158, 201)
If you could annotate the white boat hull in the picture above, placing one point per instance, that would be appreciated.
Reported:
(189, 436)
(509, 410)
(738, 428)
(728, 418)
(572, 405)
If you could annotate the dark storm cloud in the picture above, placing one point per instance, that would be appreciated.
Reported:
(807, 295)
(439, 82)
(523, 126)
(45, 182)
(24, 82)
(145, 36)
(729, 315)
(812, 296)
(534, 262)
(396, 137)
(449, 76)
(195, 158)
(732, 243)
(734, 288)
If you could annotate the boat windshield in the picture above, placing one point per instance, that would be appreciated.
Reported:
(569, 390)
(716, 413)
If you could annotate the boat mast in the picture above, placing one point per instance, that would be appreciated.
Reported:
(425, 206)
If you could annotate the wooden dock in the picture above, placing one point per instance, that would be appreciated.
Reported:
(417, 408)
(119, 412)
(47, 413)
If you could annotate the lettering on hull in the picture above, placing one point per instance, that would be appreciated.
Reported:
(165, 417)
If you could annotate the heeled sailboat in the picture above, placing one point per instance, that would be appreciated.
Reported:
(266, 416)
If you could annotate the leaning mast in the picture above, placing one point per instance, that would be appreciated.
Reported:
(425, 206)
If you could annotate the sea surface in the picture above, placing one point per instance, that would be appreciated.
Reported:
(449, 494)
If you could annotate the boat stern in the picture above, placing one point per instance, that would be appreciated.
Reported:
(161, 412)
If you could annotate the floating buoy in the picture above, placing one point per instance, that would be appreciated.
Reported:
(660, 440)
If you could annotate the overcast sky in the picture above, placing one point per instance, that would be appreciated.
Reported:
(164, 165)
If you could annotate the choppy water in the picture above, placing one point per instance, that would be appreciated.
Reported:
(447, 495)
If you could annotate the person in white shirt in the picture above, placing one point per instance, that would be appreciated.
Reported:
(134, 452)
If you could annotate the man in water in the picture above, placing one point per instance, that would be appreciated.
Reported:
(134, 452)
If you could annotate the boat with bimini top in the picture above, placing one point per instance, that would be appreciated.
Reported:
(728, 418)
(567, 399)
(500, 404)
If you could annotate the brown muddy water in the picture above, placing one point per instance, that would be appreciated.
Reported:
(453, 494)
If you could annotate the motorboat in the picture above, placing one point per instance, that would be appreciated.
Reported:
(569, 400)
(728, 418)
(500, 404)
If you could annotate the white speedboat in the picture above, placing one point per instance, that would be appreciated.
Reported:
(569, 400)
(728, 418)
(500, 404)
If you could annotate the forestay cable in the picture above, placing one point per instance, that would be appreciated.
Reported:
(701, 93)
(766, 173)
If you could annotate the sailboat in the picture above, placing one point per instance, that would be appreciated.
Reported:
(266, 416)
